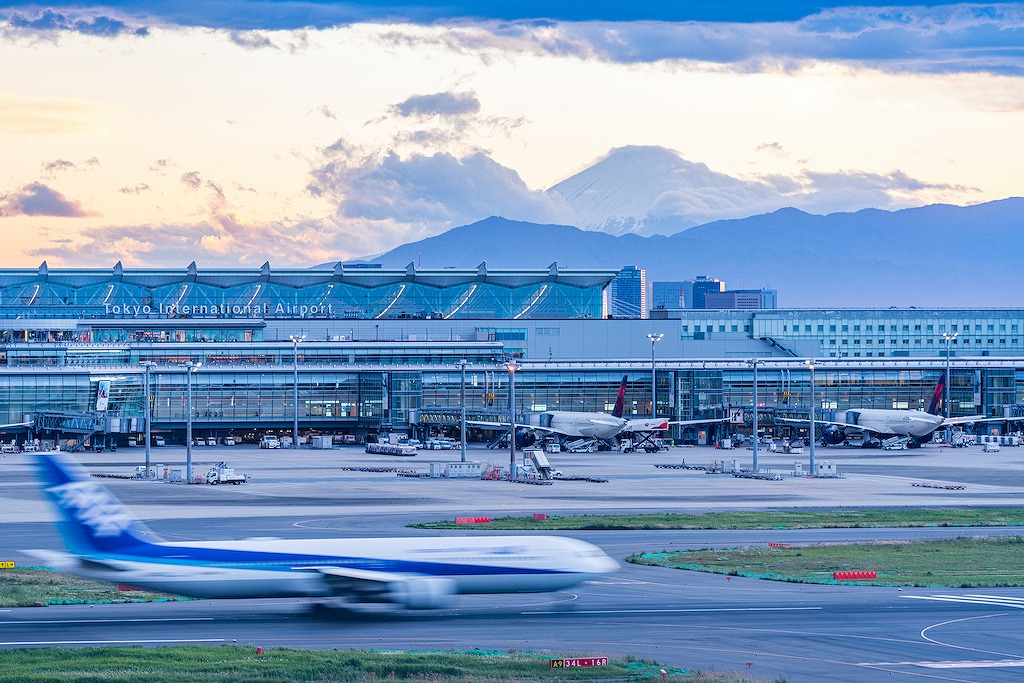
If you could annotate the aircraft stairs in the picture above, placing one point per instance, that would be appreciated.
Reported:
(579, 445)
(500, 441)
(894, 443)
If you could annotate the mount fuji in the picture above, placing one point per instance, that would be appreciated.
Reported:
(652, 190)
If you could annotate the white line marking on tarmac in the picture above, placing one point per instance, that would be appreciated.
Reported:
(105, 621)
(972, 664)
(110, 642)
(696, 609)
(971, 599)
(962, 664)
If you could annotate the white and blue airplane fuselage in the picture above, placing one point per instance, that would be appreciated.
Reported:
(106, 542)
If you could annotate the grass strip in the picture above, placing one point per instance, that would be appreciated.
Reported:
(38, 587)
(242, 664)
(959, 562)
(772, 519)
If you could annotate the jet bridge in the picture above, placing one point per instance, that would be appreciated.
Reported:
(98, 427)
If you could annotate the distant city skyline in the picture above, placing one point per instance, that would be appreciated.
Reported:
(237, 132)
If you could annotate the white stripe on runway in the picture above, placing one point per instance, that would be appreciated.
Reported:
(992, 600)
(963, 664)
(104, 621)
(675, 611)
(989, 664)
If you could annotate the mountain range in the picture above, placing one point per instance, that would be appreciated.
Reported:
(930, 256)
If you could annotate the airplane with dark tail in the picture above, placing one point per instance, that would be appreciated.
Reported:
(599, 426)
(105, 541)
(882, 423)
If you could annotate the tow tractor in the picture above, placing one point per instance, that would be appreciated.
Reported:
(222, 474)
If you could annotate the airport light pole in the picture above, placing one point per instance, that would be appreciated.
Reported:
(462, 408)
(810, 366)
(512, 365)
(148, 410)
(945, 401)
(753, 363)
(655, 338)
(295, 388)
(190, 368)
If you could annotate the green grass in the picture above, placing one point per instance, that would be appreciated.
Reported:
(781, 519)
(960, 562)
(29, 587)
(241, 664)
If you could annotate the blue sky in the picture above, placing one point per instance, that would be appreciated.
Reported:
(250, 14)
(304, 132)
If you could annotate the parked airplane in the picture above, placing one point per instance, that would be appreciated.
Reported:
(106, 542)
(599, 426)
(880, 423)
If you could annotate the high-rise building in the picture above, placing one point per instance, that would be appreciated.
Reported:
(629, 293)
(671, 295)
(702, 286)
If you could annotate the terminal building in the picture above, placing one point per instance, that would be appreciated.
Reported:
(372, 350)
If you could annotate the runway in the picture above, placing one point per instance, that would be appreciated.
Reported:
(680, 619)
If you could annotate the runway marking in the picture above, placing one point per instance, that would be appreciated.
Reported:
(999, 600)
(963, 664)
(111, 642)
(981, 664)
(695, 609)
(104, 621)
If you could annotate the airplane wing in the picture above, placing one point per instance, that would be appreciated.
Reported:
(831, 423)
(506, 425)
(643, 426)
(710, 420)
(970, 419)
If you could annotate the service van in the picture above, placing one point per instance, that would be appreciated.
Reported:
(270, 441)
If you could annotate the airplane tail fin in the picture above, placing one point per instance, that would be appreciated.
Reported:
(936, 407)
(92, 521)
(620, 400)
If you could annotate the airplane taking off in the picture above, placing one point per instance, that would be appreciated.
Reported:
(105, 542)
(599, 426)
(879, 423)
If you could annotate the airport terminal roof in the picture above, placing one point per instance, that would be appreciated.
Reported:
(353, 275)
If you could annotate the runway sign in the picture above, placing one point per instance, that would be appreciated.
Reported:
(579, 661)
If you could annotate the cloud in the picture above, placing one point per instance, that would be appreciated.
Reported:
(251, 40)
(853, 190)
(224, 240)
(395, 199)
(50, 168)
(138, 189)
(36, 199)
(773, 148)
(936, 39)
(52, 21)
(192, 180)
(438, 104)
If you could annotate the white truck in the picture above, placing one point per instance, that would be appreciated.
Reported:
(222, 474)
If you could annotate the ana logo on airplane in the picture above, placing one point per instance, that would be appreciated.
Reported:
(93, 506)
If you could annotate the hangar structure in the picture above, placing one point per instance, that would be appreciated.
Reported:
(375, 349)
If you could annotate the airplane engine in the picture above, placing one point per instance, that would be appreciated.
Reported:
(525, 438)
(832, 436)
(421, 593)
